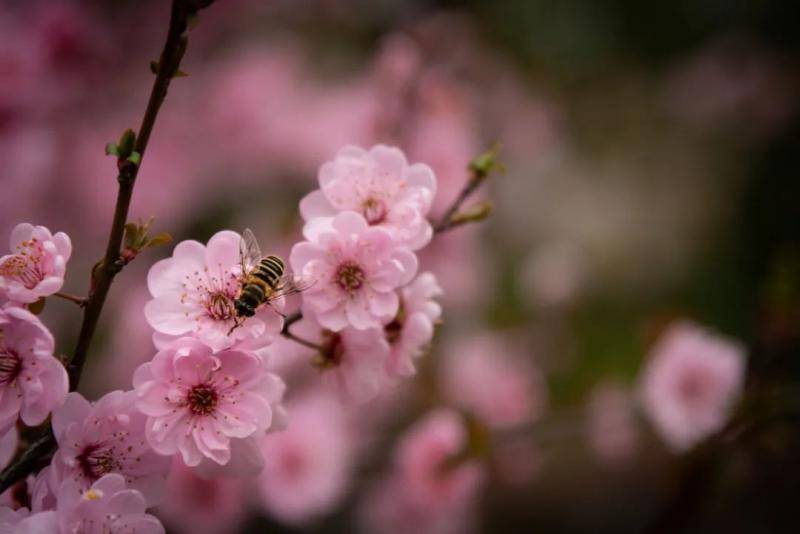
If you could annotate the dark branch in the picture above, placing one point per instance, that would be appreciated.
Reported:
(111, 264)
(103, 274)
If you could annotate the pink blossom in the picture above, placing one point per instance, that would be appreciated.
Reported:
(357, 269)
(105, 437)
(611, 422)
(379, 185)
(352, 361)
(308, 465)
(690, 383)
(501, 389)
(107, 506)
(37, 263)
(32, 381)
(412, 329)
(198, 402)
(193, 294)
(202, 506)
(423, 494)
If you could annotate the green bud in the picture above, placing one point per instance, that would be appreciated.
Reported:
(135, 158)
(126, 142)
(112, 149)
(476, 212)
(483, 165)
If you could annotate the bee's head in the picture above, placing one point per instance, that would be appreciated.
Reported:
(243, 309)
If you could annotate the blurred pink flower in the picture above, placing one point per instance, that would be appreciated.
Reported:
(32, 381)
(107, 436)
(308, 465)
(690, 383)
(193, 294)
(202, 506)
(353, 361)
(108, 506)
(421, 457)
(357, 269)
(37, 263)
(501, 389)
(422, 493)
(412, 330)
(381, 186)
(197, 401)
(611, 422)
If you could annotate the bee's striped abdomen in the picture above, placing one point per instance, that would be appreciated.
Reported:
(270, 270)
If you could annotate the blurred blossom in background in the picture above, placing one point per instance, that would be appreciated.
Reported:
(628, 316)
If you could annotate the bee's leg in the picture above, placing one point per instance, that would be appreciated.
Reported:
(236, 324)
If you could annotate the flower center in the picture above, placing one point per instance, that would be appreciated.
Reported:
(25, 266)
(202, 399)
(96, 460)
(219, 306)
(374, 210)
(10, 364)
(350, 276)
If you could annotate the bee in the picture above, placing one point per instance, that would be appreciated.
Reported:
(263, 280)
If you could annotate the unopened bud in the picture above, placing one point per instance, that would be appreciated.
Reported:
(483, 165)
(476, 212)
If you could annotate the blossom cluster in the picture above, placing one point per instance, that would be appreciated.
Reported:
(208, 397)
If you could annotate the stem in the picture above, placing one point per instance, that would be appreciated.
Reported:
(28, 461)
(313, 346)
(80, 301)
(104, 273)
(171, 56)
(446, 223)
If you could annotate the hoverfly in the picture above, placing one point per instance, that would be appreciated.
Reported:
(263, 280)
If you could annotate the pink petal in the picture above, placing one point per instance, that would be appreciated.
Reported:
(222, 251)
(383, 304)
(349, 222)
(167, 315)
(420, 175)
(315, 205)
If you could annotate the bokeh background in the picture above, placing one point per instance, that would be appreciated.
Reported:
(652, 154)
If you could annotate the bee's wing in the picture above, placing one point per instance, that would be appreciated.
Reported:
(249, 251)
(291, 283)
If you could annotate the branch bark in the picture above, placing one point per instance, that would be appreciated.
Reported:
(103, 275)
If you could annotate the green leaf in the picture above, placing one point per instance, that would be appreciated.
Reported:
(135, 158)
(160, 239)
(112, 149)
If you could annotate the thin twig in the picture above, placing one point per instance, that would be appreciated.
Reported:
(447, 222)
(103, 275)
(80, 301)
(171, 56)
(313, 346)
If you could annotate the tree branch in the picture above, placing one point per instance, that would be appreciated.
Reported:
(103, 274)
(111, 264)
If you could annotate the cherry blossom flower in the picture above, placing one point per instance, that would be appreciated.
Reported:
(105, 437)
(424, 494)
(308, 465)
(690, 384)
(107, 506)
(380, 185)
(200, 505)
(357, 269)
(32, 381)
(193, 294)
(412, 329)
(37, 263)
(500, 388)
(352, 362)
(197, 401)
